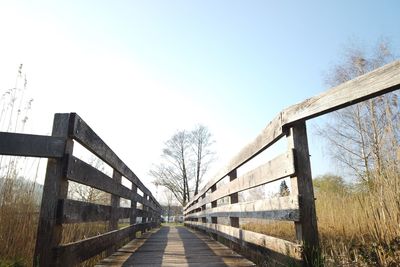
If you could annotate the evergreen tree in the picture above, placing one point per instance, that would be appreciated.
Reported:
(284, 189)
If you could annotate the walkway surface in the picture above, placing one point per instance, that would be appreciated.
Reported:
(175, 246)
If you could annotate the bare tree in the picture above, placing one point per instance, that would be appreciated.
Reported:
(184, 161)
(365, 137)
(173, 173)
(201, 141)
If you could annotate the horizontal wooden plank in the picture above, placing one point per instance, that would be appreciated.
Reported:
(73, 211)
(72, 253)
(265, 139)
(277, 168)
(121, 256)
(367, 86)
(81, 172)
(28, 145)
(278, 208)
(380, 81)
(91, 141)
(238, 235)
(175, 246)
(143, 213)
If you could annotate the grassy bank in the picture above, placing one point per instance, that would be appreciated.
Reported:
(357, 228)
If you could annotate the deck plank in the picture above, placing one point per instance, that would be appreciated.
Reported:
(175, 246)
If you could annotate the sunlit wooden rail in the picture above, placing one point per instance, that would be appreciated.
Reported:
(202, 212)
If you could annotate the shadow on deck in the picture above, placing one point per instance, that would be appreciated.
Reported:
(175, 246)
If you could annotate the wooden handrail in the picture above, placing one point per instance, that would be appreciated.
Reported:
(57, 209)
(28, 145)
(202, 211)
(380, 81)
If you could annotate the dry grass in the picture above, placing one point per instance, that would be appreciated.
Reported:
(356, 229)
(18, 223)
(20, 199)
(19, 212)
(281, 229)
(362, 228)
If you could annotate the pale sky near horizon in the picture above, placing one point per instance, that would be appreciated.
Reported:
(136, 71)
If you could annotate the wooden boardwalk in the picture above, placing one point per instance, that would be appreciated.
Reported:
(175, 246)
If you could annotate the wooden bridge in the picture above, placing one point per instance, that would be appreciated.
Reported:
(193, 245)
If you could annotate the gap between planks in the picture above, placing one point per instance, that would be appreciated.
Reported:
(175, 246)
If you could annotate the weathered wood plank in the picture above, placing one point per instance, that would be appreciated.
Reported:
(72, 253)
(380, 81)
(49, 231)
(266, 138)
(73, 211)
(28, 145)
(306, 228)
(238, 235)
(90, 140)
(234, 198)
(115, 201)
(277, 168)
(134, 210)
(175, 246)
(81, 172)
(124, 253)
(279, 208)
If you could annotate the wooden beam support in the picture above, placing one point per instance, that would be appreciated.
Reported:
(234, 198)
(55, 187)
(301, 184)
(115, 202)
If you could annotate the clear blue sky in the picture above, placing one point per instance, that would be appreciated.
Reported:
(234, 64)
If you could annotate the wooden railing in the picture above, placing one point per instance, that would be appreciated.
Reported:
(202, 211)
(57, 209)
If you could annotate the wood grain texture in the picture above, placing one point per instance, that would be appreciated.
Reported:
(91, 141)
(367, 86)
(83, 173)
(266, 138)
(175, 246)
(72, 253)
(279, 208)
(28, 145)
(233, 198)
(380, 81)
(277, 168)
(115, 201)
(237, 235)
(73, 211)
(306, 228)
(55, 187)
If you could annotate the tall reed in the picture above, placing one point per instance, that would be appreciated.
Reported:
(357, 228)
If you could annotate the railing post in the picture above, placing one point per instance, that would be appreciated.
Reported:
(55, 188)
(203, 208)
(214, 204)
(234, 198)
(145, 210)
(133, 213)
(301, 185)
(115, 203)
